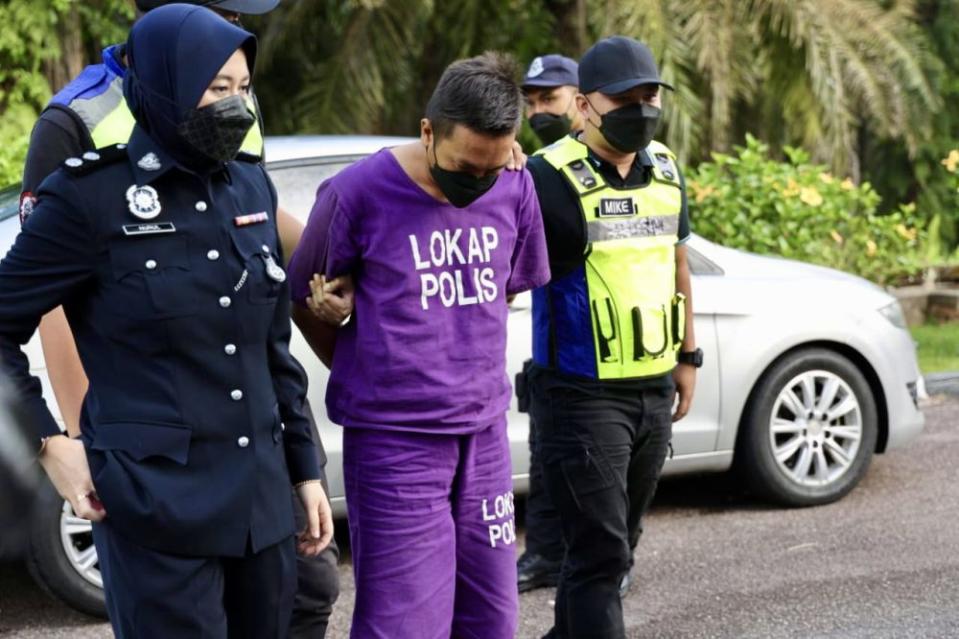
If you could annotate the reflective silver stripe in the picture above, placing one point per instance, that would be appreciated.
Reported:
(93, 110)
(605, 230)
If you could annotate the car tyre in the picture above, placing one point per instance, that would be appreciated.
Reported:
(48, 562)
(809, 429)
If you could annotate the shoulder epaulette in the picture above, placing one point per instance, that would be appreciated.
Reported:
(252, 158)
(93, 160)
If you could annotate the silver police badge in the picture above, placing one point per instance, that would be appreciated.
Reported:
(535, 68)
(274, 270)
(150, 162)
(144, 202)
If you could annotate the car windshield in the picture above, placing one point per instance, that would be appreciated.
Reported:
(9, 201)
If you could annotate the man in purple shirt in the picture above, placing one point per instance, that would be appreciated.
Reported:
(436, 237)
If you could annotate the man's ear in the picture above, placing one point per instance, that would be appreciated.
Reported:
(426, 132)
(582, 106)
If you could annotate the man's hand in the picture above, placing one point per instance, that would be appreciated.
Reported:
(518, 160)
(331, 301)
(65, 462)
(311, 541)
(685, 377)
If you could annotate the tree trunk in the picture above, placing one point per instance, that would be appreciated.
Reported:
(571, 25)
(69, 64)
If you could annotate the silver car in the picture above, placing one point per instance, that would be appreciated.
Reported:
(808, 372)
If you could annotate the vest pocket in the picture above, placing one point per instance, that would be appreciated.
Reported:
(605, 320)
(651, 337)
(659, 329)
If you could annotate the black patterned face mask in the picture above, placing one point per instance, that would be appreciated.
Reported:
(218, 129)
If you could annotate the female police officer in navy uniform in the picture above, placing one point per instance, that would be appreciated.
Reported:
(164, 254)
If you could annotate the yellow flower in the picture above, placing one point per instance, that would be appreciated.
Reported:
(836, 237)
(847, 185)
(700, 193)
(951, 162)
(792, 189)
(810, 196)
(871, 248)
(826, 178)
(905, 233)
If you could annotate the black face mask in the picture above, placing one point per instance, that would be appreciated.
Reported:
(460, 188)
(630, 128)
(218, 130)
(548, 127)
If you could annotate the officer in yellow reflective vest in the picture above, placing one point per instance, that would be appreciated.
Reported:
(609, 328)
(88, 114)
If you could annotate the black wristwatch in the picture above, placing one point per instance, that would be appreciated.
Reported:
(693, 358)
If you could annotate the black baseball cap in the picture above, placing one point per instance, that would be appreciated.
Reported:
(252, 7)
(552, 70)
(617, 64)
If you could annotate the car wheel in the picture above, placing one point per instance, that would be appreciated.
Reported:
(62, 557)
(809, 429)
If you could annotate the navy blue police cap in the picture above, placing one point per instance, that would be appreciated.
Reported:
(251, 7)
(552, 70)
(617, 64)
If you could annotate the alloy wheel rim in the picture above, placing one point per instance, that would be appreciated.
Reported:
(76, 534)
(815, 428)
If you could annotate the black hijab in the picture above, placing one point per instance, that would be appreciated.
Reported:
(173, 53)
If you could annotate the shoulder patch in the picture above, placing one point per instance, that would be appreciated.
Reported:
(92, 160)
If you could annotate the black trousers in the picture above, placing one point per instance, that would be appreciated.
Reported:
(317, 585)
(602, 448)
(544, 535)
(155, 595)
(317, 579)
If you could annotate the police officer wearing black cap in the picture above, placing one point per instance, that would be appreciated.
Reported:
(609, 328)
(89, 114)
(550, 87)
(165, 255)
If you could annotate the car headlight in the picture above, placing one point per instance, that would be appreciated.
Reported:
(893, 313)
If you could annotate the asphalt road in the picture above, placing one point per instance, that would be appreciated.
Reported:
(883, 562)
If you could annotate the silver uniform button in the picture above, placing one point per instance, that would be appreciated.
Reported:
(92, 156)
(230, 349)
(243, 442)
(151, 264)
(236, 395)
(200, 206)
(266, 249)
(213, 255)
(225, 302)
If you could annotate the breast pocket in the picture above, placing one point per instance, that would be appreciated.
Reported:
(264, 271)
(153, 278)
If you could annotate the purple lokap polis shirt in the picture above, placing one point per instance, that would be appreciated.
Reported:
(426, 348)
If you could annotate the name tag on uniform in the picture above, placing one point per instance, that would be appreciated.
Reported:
(252, 218)
(615, 207)
(148, 229)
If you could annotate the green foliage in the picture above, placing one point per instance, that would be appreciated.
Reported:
(31, 45)
(800, 211)
(369, 66)
(938, 346)
(903, 175)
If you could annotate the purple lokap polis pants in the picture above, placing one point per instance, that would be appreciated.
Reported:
(432, 533)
